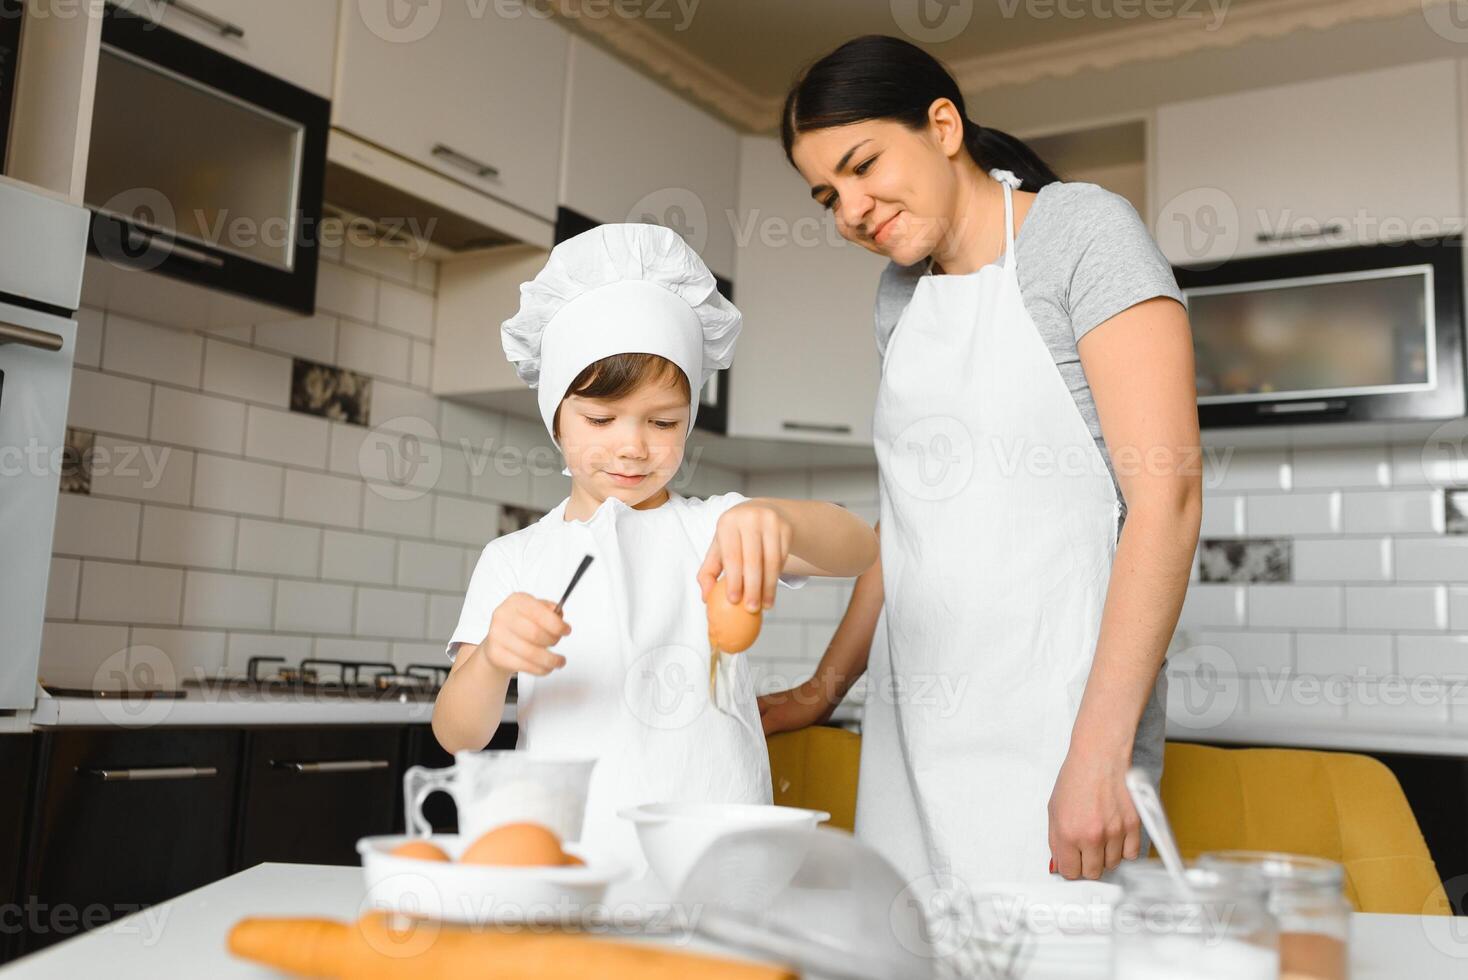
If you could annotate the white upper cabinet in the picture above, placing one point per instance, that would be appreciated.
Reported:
(806, 365)
(471, 90)
(637, 152)
(291, 39)
(1376, 155)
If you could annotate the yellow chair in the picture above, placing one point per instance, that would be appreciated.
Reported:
(1337, 805)
(817, 768)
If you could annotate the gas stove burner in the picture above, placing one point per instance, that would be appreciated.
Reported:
(318, 677)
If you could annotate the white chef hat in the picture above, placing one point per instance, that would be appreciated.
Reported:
(619, 289)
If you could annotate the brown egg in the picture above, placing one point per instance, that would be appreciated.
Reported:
(420, 850)
(572, 859)
(732, 628)
(516, 845)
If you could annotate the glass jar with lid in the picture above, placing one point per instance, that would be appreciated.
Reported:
(1217, 928)
(1308, 901)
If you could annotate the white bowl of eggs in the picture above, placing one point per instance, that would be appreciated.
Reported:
(512, 874)
(675, 835)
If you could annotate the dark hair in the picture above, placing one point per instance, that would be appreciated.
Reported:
(620, 375)
(881, 77)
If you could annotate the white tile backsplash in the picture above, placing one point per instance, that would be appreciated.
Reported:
(228, 527)
(350, 556)
(226, 600)
(109, 403)
(95, 527)
(237, 485)
(183, 418)
(273, 548)
(286, 437)
(247, 374)
(112, 592)
(195, 538)
(146, 350)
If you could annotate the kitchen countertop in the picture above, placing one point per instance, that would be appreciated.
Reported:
(237, 709)
(1436, 739)
(186, 936)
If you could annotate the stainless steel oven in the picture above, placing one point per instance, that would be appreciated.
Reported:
(1367, 333)
(42, 244)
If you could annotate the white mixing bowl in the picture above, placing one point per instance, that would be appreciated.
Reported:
(674, 835)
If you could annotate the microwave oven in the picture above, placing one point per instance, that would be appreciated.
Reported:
(10, 21)
(203, 168)
(1369, 333)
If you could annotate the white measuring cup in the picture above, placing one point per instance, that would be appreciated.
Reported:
(503, 786)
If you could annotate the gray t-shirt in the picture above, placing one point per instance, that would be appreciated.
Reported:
(1084, 256)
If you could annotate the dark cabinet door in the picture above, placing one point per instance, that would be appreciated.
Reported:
(15, 799)
(423, 750)
(310, 793)
(126, 819)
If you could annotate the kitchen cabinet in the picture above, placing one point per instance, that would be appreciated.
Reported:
(291, 39)
(124, 819)
(468, 90)
(310, 793)
(806, 365)
(636, 151)
(15, 776)
(1376, 154)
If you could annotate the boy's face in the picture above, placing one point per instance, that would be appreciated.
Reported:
(628, 447)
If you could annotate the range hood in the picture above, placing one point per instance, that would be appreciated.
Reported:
(403, 198)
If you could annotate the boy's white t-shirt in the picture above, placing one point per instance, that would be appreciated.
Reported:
(635, 689)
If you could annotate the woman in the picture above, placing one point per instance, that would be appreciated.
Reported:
(1037, 443)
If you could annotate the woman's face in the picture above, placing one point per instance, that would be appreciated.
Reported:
(891, 189)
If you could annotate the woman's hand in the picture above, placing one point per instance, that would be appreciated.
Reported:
(750, 546)
(1093, 824)
(521, 633)
(799, 707)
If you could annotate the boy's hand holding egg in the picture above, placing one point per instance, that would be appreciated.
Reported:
(521, 633)
(751, 544)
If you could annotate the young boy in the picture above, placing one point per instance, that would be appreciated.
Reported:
(618, 333)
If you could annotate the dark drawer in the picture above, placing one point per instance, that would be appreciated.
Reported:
(310, 793)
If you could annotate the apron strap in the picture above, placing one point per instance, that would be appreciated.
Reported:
(1009, 180)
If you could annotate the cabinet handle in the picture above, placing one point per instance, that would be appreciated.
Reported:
(1265, 237)
(14, 333)
(224, 27)
(840, 430)
(342, 765)
(464, 161)
(153, 772)
(143, 239)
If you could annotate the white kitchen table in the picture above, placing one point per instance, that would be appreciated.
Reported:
(185, 937)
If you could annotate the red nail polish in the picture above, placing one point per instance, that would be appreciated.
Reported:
(1052, 865)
